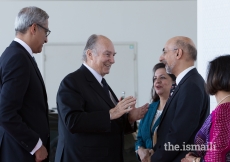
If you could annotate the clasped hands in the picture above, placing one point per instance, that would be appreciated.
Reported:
(127, 105)
(190, 157)
(145, 154)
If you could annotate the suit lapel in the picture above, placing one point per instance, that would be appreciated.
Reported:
(168, 103)
(97, 87)
(190, 73)
(36, 69)
(14, 43)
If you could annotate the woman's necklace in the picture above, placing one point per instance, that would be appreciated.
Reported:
(223, 99)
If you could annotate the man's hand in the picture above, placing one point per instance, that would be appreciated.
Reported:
(189, 157)
(122, 107)
(138, 113)
(41, 154)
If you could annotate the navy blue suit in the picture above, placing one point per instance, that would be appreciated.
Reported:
(23, 106)
(86, 133)
(182, 117)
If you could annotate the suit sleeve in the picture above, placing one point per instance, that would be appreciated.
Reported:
(128, 127)
(185, 122)
(140, 141)
(71, 109)
(15, 80)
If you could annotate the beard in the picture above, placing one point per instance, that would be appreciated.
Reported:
(169, 68)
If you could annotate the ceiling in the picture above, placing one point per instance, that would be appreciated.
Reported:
(99, 0)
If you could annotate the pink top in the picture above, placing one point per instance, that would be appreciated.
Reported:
(219, 139)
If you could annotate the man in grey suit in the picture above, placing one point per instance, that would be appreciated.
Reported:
(24, 127)
(188, 106)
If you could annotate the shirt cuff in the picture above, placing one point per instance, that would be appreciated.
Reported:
(39, 144)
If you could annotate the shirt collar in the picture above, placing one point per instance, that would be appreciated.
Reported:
(182, 74)
(24, 45)
(94, 72)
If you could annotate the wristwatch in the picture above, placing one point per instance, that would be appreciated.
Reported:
(137, 148)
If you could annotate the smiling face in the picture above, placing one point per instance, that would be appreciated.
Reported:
(162, 82)
(102, 58)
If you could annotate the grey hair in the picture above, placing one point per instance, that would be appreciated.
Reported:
(189, 48)
(28, 16)
(91, 44)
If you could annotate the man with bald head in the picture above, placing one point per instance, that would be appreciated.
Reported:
(188, 105)
(92, 122)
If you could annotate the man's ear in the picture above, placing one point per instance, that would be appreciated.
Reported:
(89, 54)
(33, 29)
(179, 53)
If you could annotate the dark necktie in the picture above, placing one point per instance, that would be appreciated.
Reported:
(172, 89)
(105, 86)
(34, 60)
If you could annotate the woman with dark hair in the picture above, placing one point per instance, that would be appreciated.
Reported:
(146, 138)
(213, 139)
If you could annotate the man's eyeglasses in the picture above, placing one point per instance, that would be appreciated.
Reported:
(46, 30)
(165, 51)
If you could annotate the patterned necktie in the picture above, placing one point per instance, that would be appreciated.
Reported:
(172, 89)
(105, 86)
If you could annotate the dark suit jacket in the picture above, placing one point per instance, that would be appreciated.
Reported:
(23, 105)
(86, 133)
(183, 115)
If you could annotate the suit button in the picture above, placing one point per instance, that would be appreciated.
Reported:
(159, 146)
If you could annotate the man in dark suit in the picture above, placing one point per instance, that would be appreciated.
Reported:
(92, 121)
(188, 106)
(24, 128)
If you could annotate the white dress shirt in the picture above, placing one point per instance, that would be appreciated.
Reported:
(182, 74)
(99, 78)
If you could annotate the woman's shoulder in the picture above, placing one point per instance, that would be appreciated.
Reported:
(151, 111)
(154, 104)
(223, 108)
(222, 112)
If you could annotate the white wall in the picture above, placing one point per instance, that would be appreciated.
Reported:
(213, 33)
(149, 23)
